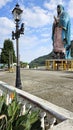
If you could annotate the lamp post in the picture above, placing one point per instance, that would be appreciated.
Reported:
(16, 35)
(0, 55)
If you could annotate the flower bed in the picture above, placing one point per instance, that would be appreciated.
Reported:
(11, 117)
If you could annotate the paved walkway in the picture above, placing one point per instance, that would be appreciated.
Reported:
(54, 86)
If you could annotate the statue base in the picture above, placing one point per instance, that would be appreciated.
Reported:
(59, 64)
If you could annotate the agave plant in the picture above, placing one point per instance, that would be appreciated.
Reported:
(11, 118)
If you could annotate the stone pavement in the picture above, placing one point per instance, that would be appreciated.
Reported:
(54, 86)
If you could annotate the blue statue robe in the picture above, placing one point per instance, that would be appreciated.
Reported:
(64, 22)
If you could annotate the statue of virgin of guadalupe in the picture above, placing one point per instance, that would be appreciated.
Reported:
(61, 34)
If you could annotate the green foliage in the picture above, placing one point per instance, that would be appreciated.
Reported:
(2, 100)
(12, 118)
(8, 52)
(23, 64)
(40, 61)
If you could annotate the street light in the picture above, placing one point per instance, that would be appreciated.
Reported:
(15, 35)
(0, 55)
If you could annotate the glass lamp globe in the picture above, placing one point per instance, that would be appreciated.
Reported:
(17, 13)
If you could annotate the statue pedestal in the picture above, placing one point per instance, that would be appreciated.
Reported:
(59, 64)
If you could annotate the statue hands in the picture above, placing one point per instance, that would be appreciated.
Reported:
(56, 20)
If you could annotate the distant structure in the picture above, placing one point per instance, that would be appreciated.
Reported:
(61, 34)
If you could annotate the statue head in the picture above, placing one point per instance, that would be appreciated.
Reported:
(60, 9)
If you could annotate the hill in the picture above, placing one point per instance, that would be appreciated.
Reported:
(40, 61)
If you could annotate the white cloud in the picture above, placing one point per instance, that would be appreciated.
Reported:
(70, 8)
(32, 47)
(5, 22)
(52, 4)
(45, 35)
(6, 27)
(36, 17)
(3, 2)
(29, 55)
(29, 42)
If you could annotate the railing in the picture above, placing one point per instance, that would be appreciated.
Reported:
(50, 114)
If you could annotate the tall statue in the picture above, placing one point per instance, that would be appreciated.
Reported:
(61, 34)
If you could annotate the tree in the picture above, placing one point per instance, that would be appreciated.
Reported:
(23, 64)
(8, 53)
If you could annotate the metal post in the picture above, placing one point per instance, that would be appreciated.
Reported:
(15, 35)
(18, 79)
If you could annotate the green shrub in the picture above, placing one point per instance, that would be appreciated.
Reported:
(11, 118)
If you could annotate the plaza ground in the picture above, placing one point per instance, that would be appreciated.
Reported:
(54, 86)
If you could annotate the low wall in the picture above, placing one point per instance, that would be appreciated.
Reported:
(54, 114)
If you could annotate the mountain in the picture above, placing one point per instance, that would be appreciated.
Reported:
(40, 61)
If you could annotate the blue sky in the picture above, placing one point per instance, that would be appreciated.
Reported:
(38, 18)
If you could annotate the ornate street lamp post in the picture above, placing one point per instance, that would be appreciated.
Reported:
(0, 55)
(15, 35)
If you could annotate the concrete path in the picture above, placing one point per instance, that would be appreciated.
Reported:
(54, 86)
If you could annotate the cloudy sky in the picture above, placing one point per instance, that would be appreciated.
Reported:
(38, 18)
